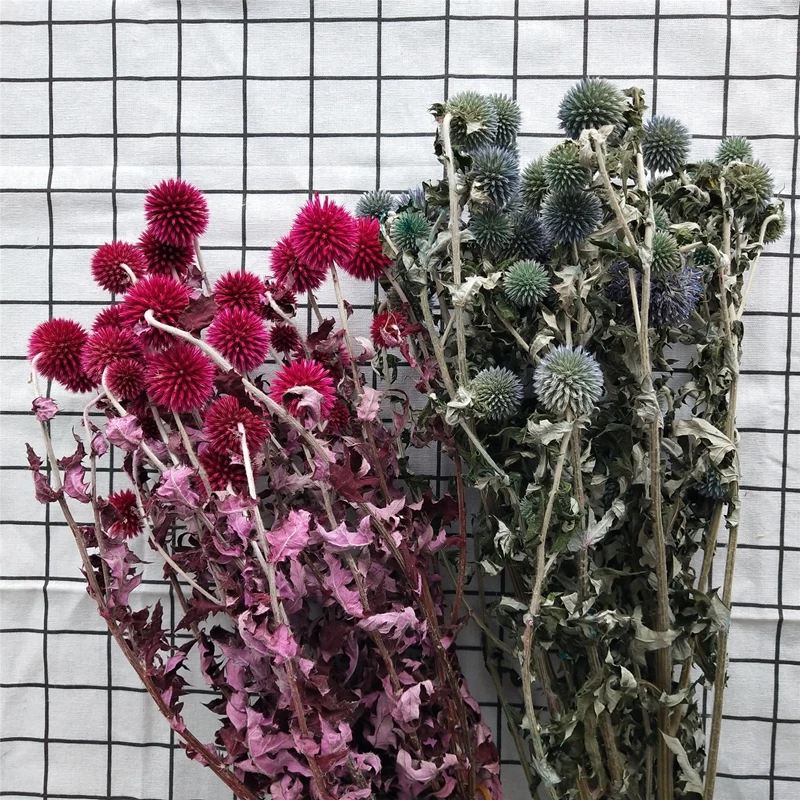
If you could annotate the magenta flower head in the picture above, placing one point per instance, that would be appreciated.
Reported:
(323, 232)
(126, 521)
(284, 337)
(293, 273)
(125, 378)
(167, 298)
(181, 378)
(59, 344)
(388, 329)
(107, 345)
(240, 290)
(305, 389)
(108, 317)
(221, 470)
(176, 212)
(109, 262)
(221, 422)
(367, 260)
(163, 258)
(241, 337)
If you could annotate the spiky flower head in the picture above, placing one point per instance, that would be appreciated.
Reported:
(563, 170)
(568, 378)
(388, 329)
(571, 216)
(240, 290)
(176, 212)
(534, 184)
(123, 512)
(180, 378)
(529, 238)
(58, 346)
(711, 486)
(665, 144)
(530, 510)
(473, 122)
(109, 262)
(666, 255)
(750, 183)
(221, 426)
(734, 148)
(166, 297)
(376, 204)
(105, 346)
(292, 272)
(592, 103)
(323, 232)
(305, 389)
(367, 261)
(409, 230)
(413, 197)
(509, 119)
(497, 393)
(222, 470)
(241, 337)
(776, 227)
(661, 217)
(495, 171)
(125, 378)
(704, 258)
(525, 283)
(284, 337)
(164, 258)
(107, 317)
(491, 229)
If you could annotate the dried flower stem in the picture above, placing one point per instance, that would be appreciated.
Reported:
(201, 264)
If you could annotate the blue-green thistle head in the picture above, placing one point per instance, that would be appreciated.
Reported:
(376, 204)
(704, 258)
(529, 238)
(409, 230)
(496, 393)
(509, 119)
(492, 229)
(474, 120)
(661, 217)
(571, 216)
(666, 255)
(568, 378)
(749, 183)
(734, 148)
(534, 185)
(592, 103)
(526, 283)
(665, 144)
(563, 170)
(413, 197)
(495, 170)
(776, 227)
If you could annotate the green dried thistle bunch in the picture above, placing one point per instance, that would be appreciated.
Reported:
(563, 170)
(568, 379)
(409, 230)
(474, 120)
(571, 216)
(497, 393)
(376, 204)
(592, 103)
(776, 227)
(734, 148)
(704, 258)
(666, 254)
(534, 185)
(665, 144)
(492, 229)
(509, 119)
(661, 217)
(526, 283)
(749, 183)
(495, 172)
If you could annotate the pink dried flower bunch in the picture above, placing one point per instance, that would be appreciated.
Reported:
(274, 495)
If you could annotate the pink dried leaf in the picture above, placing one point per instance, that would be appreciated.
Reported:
(175, 489)
(338, 582)
(391, 623)
(75, 485)
(370, 405)
(44, 408)
(124, 432)
(342, 538)
(408, 704)
(43, 491)
(289, 538)
(426, 771)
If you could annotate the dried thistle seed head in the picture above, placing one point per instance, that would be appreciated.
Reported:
(409, 230)
(704, 258)
(497, 393)
(571, 216)
(495, 171)
(749, 183)
(509, 119)
(525, 283)
(661, 217)
(376, 204)
(592, 103)
(534, 185)
(474, 120)
(734, 148)
(568, 378)
(529, 238)
(674, 297)
(777, 227)
(491, 229)
(665, 144)
(666, 256)
(563, 170)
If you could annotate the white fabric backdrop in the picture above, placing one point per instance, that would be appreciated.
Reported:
(257, 102)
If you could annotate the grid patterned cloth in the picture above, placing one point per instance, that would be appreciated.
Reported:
(258, 102)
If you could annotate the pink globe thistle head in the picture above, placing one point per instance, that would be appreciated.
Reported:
(79, 383)
(221, 427)
(388, 329)
(167, 298)
(108, 317)
(285, 338)
(176, 212)
(181, 378)
(163, 258)
(125, 378)
(221, 470)
(293, 273)
(57, 346)
(305, 389)
(125, 519)
(339, 417)
(323, 232)
(107, 345)
(241, 336)
(240, 290)
(109, 262)
(283, 297)
(367, 260)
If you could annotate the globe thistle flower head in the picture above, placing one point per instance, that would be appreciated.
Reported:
(284, 337)
(79, 383)
(108, 317)
(221, 470)
(413, 197)
(241, 337)
(376, 204)
(661, 217)
(529, 239)
(323, 232)
(109, 262)
(495, 172)
(492, 229)
(665, 144)
(163, 258)
(305, 389)
(241, 290)
(180, 379)
(568, 378)
(57, 345)
(666, 255)
(473, 122)
(339, 418)
(125, 378)
(221, 426)
(509, 119)
(563, 170)
(125, 519)
(533, 184)
(704, 258)
(367, 261)
(673, 297)
(496, 393)
(529, 509)
(734, 148)
(167, 299)
(409, 230)
(526, 283)
(571, 216)
(777, 227)
(592, 103)
(291, 271)
(388, 329)
(750, 183)
(711, 486)
(176, 212)
(107, 345)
